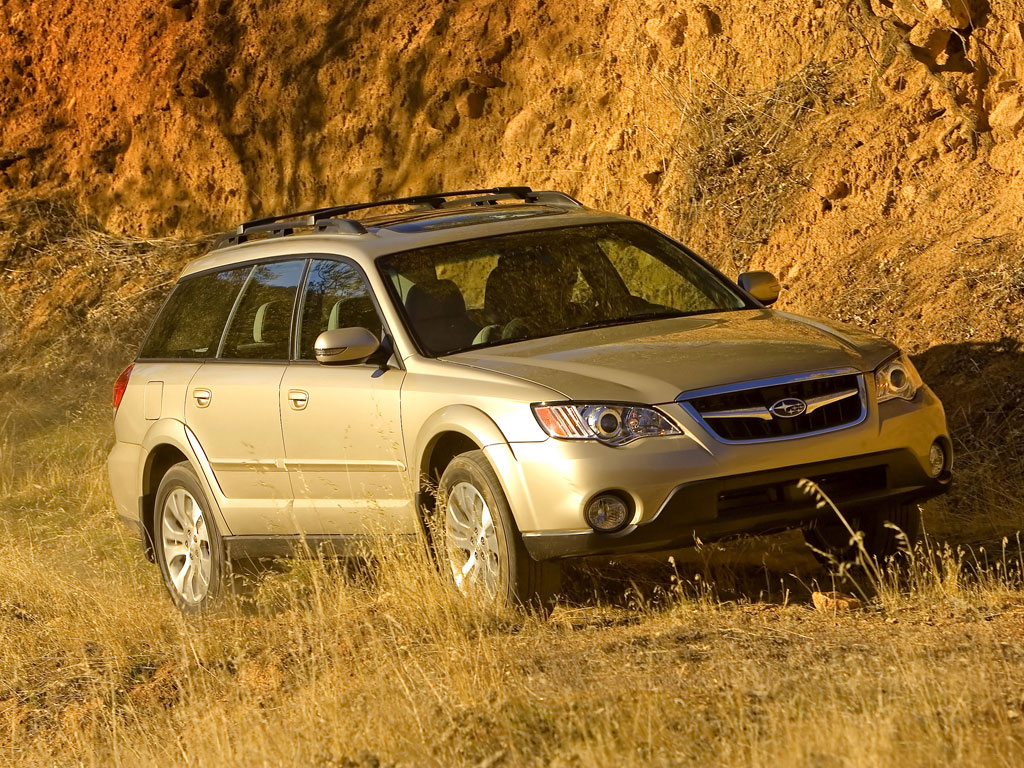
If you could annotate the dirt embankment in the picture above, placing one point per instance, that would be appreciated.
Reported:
(191, 113)
(867, 151)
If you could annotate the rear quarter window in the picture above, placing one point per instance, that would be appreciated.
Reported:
(191, 321)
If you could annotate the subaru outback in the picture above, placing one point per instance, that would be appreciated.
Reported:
(524, 378)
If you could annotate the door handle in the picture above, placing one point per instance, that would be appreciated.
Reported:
(298, 398)
(202, 396)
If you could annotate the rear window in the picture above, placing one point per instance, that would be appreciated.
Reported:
(191, 322)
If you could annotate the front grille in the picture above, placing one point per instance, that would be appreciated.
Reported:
(745, 414)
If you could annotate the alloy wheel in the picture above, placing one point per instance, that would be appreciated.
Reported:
(186, 546)
(471, 540)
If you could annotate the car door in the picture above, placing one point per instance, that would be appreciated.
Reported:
(342, 429)
(232, 403)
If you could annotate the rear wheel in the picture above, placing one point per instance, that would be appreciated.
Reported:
(186, 542)
(832, 541)
(481, 547)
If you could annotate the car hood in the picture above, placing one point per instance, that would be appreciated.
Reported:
(653, 362)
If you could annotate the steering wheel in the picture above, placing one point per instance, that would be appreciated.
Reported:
(488, 334)
(517, 327)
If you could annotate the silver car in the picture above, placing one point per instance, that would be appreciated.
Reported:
(524, 378)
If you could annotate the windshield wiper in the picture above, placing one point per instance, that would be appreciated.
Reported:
(659, 315)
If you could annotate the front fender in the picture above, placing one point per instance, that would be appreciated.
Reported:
(463, 419)
(479, 427)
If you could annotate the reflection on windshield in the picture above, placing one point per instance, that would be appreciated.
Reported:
(526, 285)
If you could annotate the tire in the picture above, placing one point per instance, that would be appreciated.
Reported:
(480, 546)
(186, 542)
(831, 540)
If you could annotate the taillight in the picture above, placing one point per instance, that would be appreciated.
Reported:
(121, 385)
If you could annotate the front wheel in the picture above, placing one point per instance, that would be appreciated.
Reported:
(882, 542)
(187, 544)
(481, 544)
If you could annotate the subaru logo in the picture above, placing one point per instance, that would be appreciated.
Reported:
(788, 407)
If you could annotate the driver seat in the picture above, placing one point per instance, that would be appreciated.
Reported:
(509, 292)
(437, 313)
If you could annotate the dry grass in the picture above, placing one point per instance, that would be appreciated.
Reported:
(706, 661)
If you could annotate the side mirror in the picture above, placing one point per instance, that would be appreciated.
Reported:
(345, 345)
(763, 286)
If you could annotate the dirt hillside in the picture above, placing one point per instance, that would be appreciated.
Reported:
(870, 153)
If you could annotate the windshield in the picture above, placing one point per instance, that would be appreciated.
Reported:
(477, 293)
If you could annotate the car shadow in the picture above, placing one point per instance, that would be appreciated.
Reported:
(981, 385)
(777, 569)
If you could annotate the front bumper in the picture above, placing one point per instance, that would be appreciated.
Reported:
(760, 502)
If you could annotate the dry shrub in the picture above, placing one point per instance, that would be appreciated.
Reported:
(75, 300)
(743, 150)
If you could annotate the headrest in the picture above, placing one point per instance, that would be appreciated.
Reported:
(355, 311)
(436, 298)
(271, 322)
(334, 317)
(508, 293)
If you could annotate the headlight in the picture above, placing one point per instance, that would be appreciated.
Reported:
(609, 424)
(897, 378)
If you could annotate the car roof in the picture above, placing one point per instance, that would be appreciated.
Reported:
(385, 234)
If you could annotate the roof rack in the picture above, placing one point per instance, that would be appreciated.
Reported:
(283, 228)
(325, 219)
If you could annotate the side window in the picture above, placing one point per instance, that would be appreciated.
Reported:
(260, 326)
(336, 297)
(192, 320)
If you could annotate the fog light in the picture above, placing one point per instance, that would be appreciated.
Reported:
(937, 458)
(607, 513)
